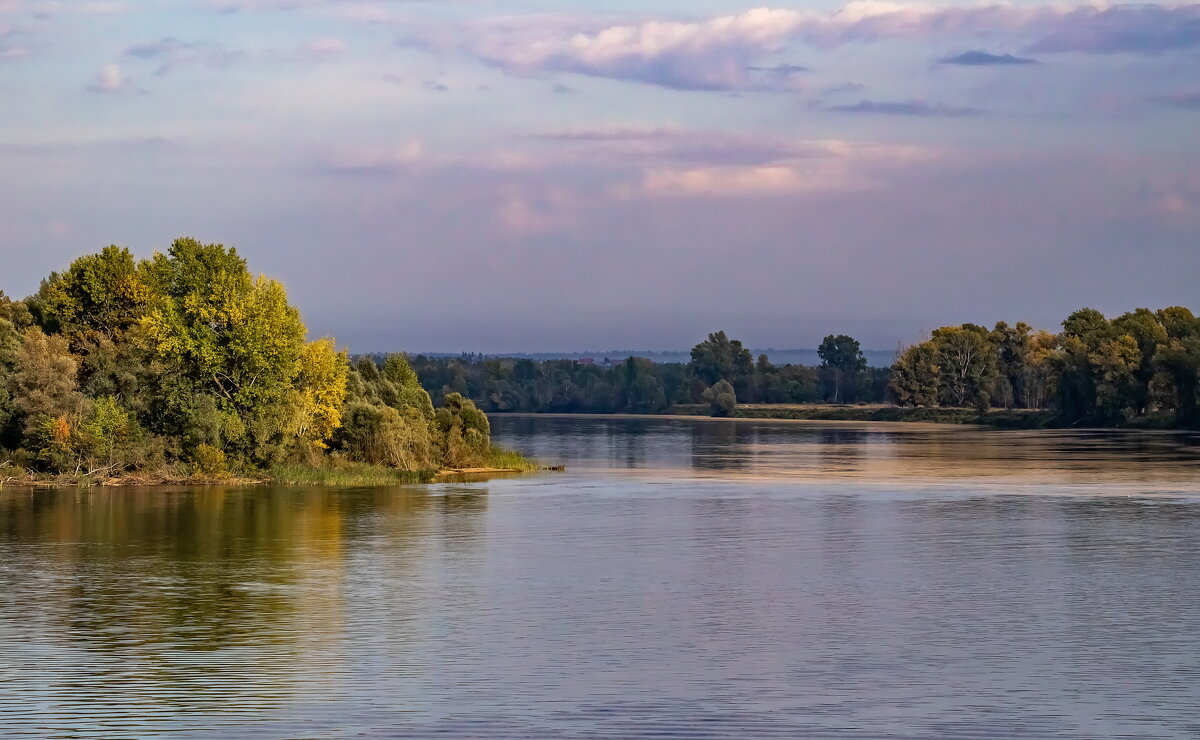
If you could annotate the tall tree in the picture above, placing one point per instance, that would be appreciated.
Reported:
(720, 358)
(223, 332)
(100, 296)
(843, 363)
(967, 360)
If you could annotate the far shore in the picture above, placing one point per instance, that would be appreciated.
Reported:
(874, 414)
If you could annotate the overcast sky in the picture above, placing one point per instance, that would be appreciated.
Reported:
(522, 174)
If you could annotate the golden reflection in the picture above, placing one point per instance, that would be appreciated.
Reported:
(918, 454)
(156, 574)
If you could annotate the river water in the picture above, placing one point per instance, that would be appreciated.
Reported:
(685, 578)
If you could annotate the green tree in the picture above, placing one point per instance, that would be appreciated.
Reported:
(1144, 327)
(1012, 345)
(465, 432)
(842, 363)
(99, 296)
(381, 435)
(967, 363)
(916, 376)
(1177, 359)
(227, 334)
(43, 383)
(1115, 363)
(720, 358)
(721, 398)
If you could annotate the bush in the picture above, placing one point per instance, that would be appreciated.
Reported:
(210, 462)
(721, 398)
(465, 431)
(381, 435)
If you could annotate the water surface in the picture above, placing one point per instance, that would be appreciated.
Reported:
(685, 578)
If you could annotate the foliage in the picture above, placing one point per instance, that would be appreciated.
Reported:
(382, 435)
(721, 398)
(210, 462)
(466, 432)
(220, 331)
(321, 386)
(1141, 365)
(99, 296)
(842, 365)
(42, 384)
(720, 358)
(187, 362)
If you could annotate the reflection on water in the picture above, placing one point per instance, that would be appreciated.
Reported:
(682, 579)
(908, 453)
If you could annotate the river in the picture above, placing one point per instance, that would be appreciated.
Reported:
(684, 578)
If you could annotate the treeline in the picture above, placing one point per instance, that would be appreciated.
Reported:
(186, 364)
(1140, 365)
(641, 386)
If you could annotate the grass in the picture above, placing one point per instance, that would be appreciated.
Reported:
(331, 471)
(505, 459)
(341, 473)
(346, 474)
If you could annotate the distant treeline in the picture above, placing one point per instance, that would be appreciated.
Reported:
(608, 358)
(1143, 365)
(641, 386)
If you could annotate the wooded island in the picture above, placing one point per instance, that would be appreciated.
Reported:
(186, 367)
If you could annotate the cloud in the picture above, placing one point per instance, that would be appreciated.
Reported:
(725, 52)
(716, 54)
(1138, 29)
(108, 80)
(171, 53)
(984, 59)
(905, 108)
(656, 146)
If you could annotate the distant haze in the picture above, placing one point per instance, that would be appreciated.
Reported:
(516, 176)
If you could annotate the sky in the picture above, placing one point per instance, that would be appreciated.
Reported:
(526, 175)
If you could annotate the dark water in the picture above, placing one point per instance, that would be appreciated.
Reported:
(683, 579)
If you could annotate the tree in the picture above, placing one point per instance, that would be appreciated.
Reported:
(967, 363)
(226, 333)
(1115, 363)
(843, 363)
(465, 431)
(916, 376)
(382, 435)
(43, 383)
(99, 296)
(321, 386)
(1012, 355)
(1041, 377)
(721, 398)
(1177, 359)
(720, 358)
(1145, 329)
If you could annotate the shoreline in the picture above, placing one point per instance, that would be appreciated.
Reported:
(316, 477)
(899, 417)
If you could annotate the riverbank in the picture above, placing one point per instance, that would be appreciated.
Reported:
(331, 473)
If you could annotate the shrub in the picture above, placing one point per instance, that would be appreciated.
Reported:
(721, 398)
(210, 462)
